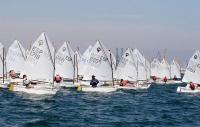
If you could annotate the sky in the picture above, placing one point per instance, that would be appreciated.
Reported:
(149, 25)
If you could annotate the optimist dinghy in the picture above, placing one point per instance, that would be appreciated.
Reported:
(65, 66)
(192, 75)
(131, 61)
(39, 65)
(100, 65)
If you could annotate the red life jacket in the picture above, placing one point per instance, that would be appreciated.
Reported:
(58, 78)
(154, 78)
(165, 79)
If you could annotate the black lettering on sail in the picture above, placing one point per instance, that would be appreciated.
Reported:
(191, 69)
(35, 52)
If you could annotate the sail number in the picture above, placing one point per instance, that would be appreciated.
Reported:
(35, 52)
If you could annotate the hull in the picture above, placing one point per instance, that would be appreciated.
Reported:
(168, 82)
(35, 90)
(4, 85)
(187, 90)
(66, 85)
(87, 83)
(135, 87)
(99, 89)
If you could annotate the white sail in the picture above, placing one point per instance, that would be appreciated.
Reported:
(175, 70)
(192, 73)
(164, 69)
(83, 62)
(16, 57)
(64, 61)
(98, 64)
(140, 64)
(126, 68)
(155, 65)
(40, 60)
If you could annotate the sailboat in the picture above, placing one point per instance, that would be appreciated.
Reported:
(192, 75)
(128, 69)
(65, 66)
(40, 68)
(15, 60)
(175, 72)
(100, 65)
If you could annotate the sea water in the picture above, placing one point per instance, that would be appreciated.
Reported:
(157, 107)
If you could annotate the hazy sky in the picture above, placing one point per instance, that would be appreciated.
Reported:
(149, 25)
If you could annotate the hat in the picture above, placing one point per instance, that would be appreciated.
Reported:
(93, 75)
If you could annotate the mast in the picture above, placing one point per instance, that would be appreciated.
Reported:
(74, 69)
(54, 66)
(21, 50)
(137, 68)
(3, 63)
(111, 68)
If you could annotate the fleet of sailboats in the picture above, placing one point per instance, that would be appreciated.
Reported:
(42, 65)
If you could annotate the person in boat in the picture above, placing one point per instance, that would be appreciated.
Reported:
(165, 79)
(123, 82)
(175, 78)
(193, 86)
(94, 81)
(58, 78)
(154, 78)
(12, 74)
(26, 82)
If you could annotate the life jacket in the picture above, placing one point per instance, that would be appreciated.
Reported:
(165, 79)
(175, 78)
(154, 78)
(192, 86)
(58, 78)
(124, 82)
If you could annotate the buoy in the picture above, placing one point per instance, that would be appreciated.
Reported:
(11, 88)
(79, 88)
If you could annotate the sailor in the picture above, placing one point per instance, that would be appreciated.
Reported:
(26, 82)
(94, 81)
(175, 78)
(165, 79)
(12, 74)
(123, 82)
(154, 78)
(58, 78)
(193, 86)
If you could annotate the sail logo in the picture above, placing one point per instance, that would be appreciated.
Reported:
(98, 49)
(127, 54)
(40, 42)
(64, 49)
(195, 57)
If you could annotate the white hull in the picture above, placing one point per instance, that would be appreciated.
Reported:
(99, 89)
(168, 82)
(35, 90)
(187, 90)
(4, 85)
(66, 85)
(135, 87)
(87, 83)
